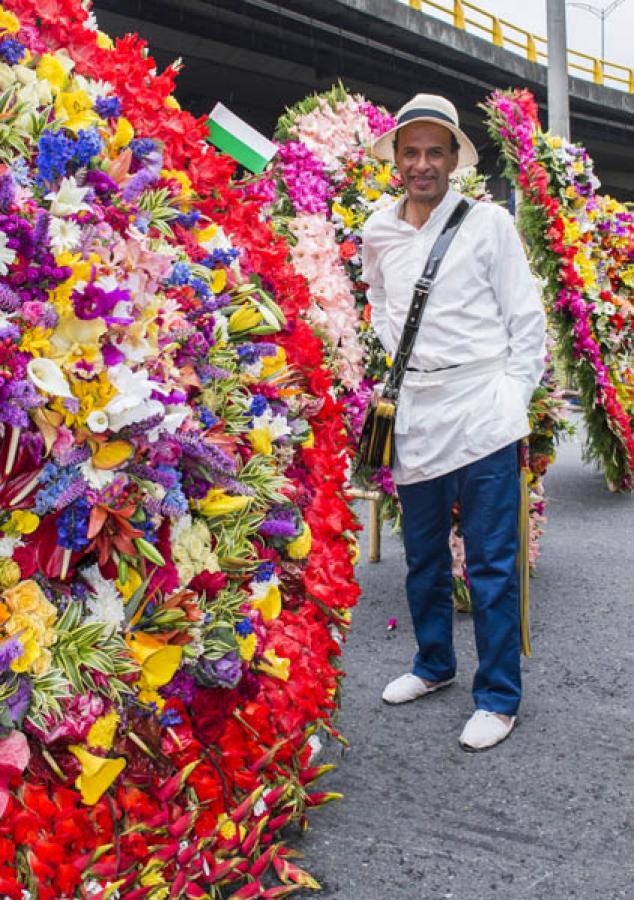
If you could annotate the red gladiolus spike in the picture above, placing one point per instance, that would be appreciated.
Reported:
(180, 826)
(252, 838)
(263, 861)
(248, 892)
(243, 810)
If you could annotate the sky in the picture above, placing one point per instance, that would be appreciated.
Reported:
(583, 28)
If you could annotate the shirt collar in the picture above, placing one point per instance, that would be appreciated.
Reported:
(448, 202)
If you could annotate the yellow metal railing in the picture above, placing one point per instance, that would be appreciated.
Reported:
(468, 17)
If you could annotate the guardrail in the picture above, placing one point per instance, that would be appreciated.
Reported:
(463, 15)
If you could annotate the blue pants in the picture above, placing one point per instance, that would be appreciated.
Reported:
(488, 491)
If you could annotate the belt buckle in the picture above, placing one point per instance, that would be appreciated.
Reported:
(423, 284)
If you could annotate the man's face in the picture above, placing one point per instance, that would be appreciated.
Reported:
(425, 161)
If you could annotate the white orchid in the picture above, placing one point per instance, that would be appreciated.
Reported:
(105, 603)
(132, 403)
(69, 199)
(64, 234)
(7, 255)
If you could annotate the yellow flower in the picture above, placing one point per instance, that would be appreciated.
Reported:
(31, 652)
(260, 439)
(158, 661)
(384, 175)
(104, 41)
(103, 730)
(309, 442)
(92, 395)
(74, 340)
(51, 69)
(270, 605)
(8, 22)
(218, 280)
(26, 597)
(74, 109)
(97, 773)
(36, 342)
(181, 178)
(123, 135)
(22, 521)
(300, 546)
(42, 664)
(247, 646)
(132, 584)
(228, 828)
(218, 503)
(275, 666)
(172, 103)
(151, 697)
(205, 234)
(245, 318)
(554, 142)
(273, 364)
(9, 575)
(347, 216)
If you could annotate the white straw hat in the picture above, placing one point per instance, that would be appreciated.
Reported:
(428, 108)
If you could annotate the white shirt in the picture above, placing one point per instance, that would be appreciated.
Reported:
(484, 316)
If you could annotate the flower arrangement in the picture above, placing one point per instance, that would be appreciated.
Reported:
(328, 197)
(176, 545)
(583, 244)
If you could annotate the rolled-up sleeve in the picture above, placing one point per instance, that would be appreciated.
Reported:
(372, 276)
(521, 306)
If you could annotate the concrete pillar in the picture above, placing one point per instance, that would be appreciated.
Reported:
(558, 108)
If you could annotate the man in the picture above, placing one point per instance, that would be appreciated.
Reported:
(462, 409)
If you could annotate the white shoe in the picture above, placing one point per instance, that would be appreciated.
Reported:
(484, 730)
(410, 687)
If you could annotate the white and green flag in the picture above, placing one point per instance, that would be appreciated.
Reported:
(235, 137)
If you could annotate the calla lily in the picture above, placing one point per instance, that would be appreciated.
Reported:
(97, 773)
(158, 661)
(270, 606)
(48, 377)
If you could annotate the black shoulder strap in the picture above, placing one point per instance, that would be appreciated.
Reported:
(422, 290)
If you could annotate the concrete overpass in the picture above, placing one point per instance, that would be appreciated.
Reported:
(258, 56)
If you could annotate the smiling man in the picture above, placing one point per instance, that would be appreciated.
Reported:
(478, 356)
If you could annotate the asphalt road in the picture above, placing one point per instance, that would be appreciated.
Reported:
(549, 814)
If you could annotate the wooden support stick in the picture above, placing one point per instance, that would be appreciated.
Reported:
(374, 525)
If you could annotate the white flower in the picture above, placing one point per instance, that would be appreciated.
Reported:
(48, 377)
(278, 427)
(608, 308)
(96, 478)
(94, 89)
(260, 589)
(105, 602)
(132, 403)
(68, 199)
(8, 545)
(98, 421)
(7, 255)
(64, 233)
(174, 418)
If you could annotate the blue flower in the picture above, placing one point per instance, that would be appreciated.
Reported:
(264, 571)
(108, 107)
(11, 51)
(55, 151)
(88, 145)
(244, 628)
(220, 257)
(181, 273)
(142, 147)
(258, 406)
(207, 417)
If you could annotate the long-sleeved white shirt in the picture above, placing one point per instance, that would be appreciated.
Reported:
(481, 337)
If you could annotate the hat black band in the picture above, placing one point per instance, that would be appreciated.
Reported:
(424, 113)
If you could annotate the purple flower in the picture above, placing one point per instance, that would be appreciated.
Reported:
(224, 672)
(93, 301)
(280, 522)
(182, 685)
(10, 650)
(18, 702)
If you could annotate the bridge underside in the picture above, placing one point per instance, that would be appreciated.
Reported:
(258, 56)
